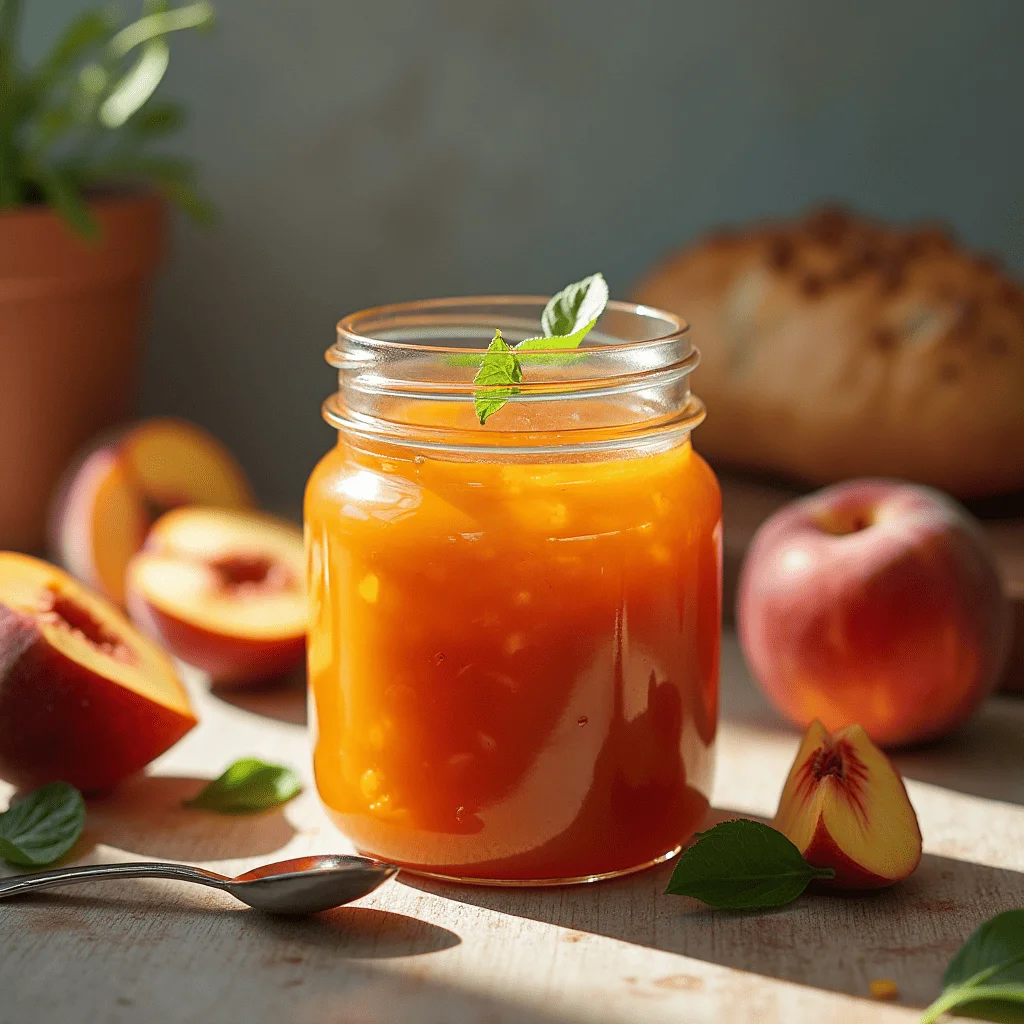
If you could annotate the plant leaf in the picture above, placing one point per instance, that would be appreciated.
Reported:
(743, 865)
(89, 29)
(51, 124)
(574, 307)
(989, 968)
(137, 85)
(189, 201)
(43, 826)
(528, 353)
(248, 787)
(174, 177)
(61, 191)
(159, 23)
(499, 372)
(10, 186)
(556, 341)
(156, 119)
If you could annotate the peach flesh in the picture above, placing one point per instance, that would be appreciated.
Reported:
(845, 807)
(111, 499)
(84, 698)
(224, 591)
(63, 612)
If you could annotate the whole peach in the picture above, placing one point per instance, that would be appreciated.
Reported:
(873, 601)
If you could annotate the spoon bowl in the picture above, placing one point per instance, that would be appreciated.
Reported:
(304, 885)
(307, 885)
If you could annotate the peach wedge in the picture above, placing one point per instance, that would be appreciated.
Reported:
(845, 807)
(84, 698)
(110, 500)
(224, 591)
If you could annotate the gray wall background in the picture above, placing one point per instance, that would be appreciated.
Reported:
(362, 152)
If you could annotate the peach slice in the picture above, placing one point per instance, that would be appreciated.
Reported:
(224, 591)
(84, 697)
(845, 807)
(112, 497)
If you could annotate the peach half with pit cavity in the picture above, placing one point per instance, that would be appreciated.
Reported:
(84, 697)
(223, 590)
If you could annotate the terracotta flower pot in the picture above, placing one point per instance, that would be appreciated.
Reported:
(71, 321)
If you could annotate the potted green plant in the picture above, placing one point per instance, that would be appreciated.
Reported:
(82, 197)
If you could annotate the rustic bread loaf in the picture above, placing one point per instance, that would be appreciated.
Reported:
(835, 346)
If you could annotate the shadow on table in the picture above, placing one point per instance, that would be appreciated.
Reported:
(145, 816)
(833, 942)
(981, 758)
(283, 699)
(362, 933)
(109, 910)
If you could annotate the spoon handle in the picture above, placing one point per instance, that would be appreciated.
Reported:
(97, 872)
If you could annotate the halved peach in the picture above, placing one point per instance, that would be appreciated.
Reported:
(844, 806)
(84, 697)
(224, 591)
(112, 497)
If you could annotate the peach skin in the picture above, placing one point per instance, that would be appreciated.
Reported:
(110, 499)
(84, 698)
(876, 602)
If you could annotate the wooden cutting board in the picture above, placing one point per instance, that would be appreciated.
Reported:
(746, 503)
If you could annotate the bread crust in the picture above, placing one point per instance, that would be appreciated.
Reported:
(834, 346)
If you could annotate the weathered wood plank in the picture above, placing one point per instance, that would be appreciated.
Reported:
(418, 951)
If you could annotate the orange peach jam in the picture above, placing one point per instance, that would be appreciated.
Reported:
(514, 667)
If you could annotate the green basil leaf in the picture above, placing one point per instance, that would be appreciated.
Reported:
(743, 865)
(499, 373)
(986, 977)
(574, 307)
(247, 787)
(43, 826)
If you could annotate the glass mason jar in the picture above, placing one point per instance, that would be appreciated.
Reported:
(515, 628)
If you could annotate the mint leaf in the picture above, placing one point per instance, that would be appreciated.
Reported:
(567, 319)
(743, 865)
(247, 787)
(574, 307)
(43, 826)
(986, 978)
(499, 367)
(548, 358)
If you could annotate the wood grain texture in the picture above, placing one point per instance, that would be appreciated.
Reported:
(421, 952)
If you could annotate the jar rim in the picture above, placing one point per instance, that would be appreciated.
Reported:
(348, 327)
(626, 386)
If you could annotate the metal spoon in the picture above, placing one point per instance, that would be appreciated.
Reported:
(305, 885)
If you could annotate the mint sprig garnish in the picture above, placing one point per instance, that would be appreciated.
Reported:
(43, 826)
(567, 319)
(576, 306)
(987, 976)
(248, 787)
(743, 865)
(500, 367)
